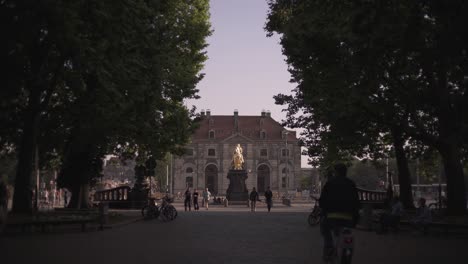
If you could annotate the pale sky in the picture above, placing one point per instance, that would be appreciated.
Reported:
(244, 67)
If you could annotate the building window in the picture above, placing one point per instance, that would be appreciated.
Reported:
(283, 182)
(263, 152)
(285, 152)
(262, 134)
(211, 152)
(212, 134)
(189, 170)
(189, 181)
(189, 152)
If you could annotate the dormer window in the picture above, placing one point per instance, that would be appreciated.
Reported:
(211, 134)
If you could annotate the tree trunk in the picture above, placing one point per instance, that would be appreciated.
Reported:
(80, 197)
(406, 194)
(456, 192)
(22, 199)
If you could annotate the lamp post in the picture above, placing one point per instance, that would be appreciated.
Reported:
(286, 152)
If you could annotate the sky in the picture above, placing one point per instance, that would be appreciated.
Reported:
(245, 68)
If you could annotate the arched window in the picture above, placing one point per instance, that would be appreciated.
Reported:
(263, 178)
(262, 134)
(212, 134)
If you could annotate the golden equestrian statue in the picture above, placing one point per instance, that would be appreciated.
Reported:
(237, 158)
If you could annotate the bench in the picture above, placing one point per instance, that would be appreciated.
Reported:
(435, 224)
(44, 223)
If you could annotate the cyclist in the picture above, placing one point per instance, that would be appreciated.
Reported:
(339, 202)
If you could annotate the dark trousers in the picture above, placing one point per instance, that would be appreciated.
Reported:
(195, 204)
(188, 203)
(269, 203)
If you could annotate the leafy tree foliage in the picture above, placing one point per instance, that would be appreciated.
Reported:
(87, 76)
(370, 68)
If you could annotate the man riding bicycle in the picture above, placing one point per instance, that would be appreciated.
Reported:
(339, 202)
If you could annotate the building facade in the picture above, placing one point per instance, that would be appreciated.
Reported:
(272, 155)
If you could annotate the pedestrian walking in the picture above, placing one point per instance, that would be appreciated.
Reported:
(253, 199)
(188, 199)
(195, 200)
(269, 198)
(206, 197)
(65, 193)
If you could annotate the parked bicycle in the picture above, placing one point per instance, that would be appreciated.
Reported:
(316, 214)
(168, 211)
(150, 210)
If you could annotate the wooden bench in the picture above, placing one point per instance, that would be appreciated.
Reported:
(44, 223)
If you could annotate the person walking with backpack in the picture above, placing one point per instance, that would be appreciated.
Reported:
(195, 200)
(269, 198)
(253, 199)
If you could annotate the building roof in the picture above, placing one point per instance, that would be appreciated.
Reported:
(251, 127)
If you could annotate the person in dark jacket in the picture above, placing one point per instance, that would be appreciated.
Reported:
(340, 205)
(253, 199)
(195, 200)
(268, 198)
(188, 199)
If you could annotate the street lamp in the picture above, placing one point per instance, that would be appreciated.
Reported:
(286, 152)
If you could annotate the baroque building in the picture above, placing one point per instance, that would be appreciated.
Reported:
(272, 155)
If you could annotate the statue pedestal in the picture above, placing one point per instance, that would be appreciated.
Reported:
(237, 190)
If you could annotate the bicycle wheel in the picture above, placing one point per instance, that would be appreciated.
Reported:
(165, 214)
(173, 213)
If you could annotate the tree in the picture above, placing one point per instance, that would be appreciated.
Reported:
(84, 77)
(405, 59)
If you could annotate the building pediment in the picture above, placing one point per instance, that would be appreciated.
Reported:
(236, 138)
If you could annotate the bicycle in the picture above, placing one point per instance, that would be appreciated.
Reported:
(343, 251)
(168, 211)
(150, 210)
(315, 215)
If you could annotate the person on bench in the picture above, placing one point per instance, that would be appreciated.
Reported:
(392, 218)
(423, 216)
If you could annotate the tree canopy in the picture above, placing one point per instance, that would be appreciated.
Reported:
(367, 69)
(84, 77)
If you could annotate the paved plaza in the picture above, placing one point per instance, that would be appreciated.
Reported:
(223, 235)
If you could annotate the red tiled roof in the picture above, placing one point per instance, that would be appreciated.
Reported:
(248, 126)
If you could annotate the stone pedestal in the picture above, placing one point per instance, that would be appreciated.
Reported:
(237, 190)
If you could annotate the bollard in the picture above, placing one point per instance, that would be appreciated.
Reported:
(103, 214)
(366, 219)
